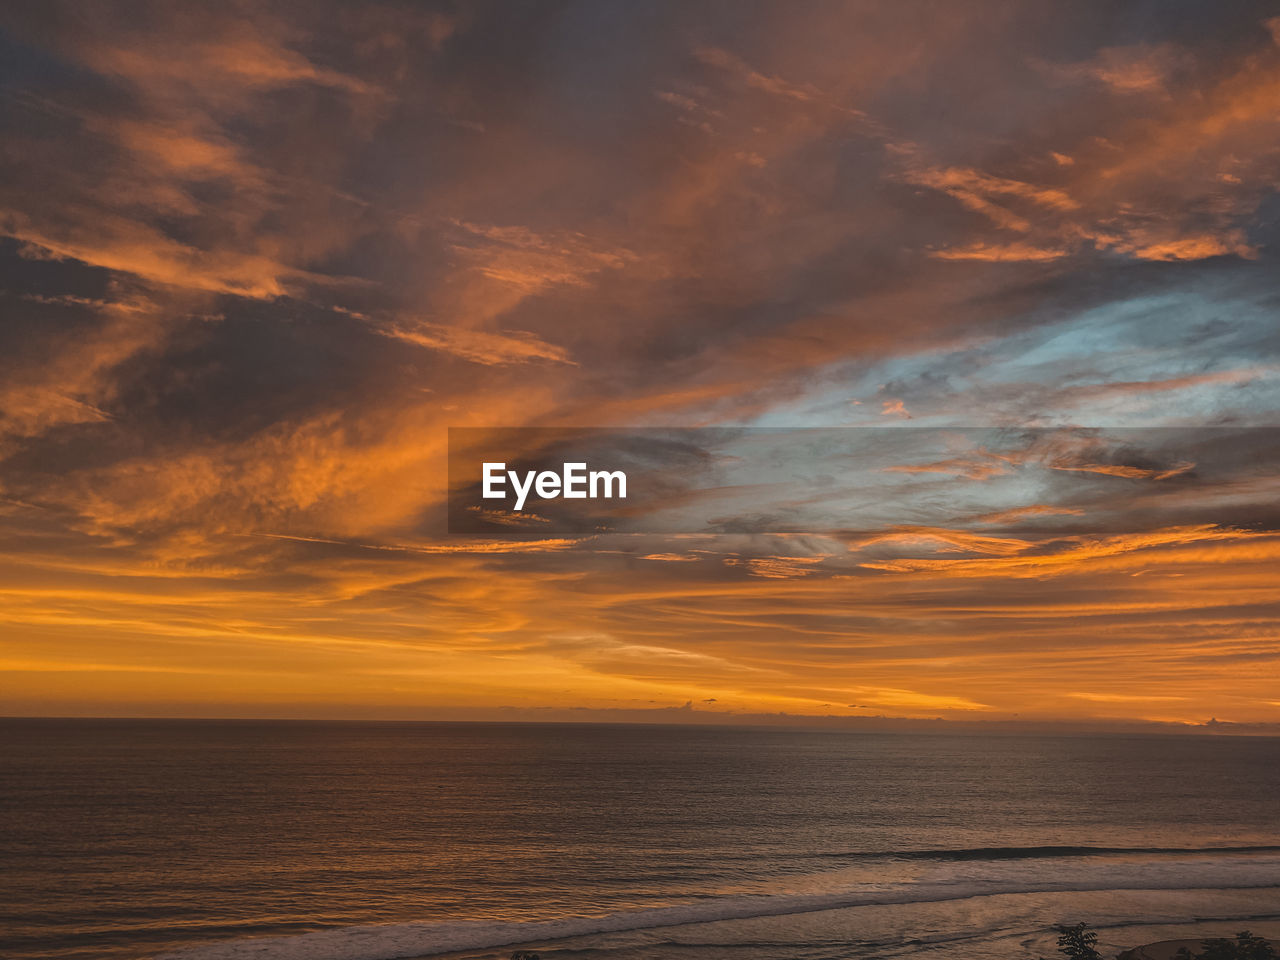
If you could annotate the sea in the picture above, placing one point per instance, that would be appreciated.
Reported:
(283, 840)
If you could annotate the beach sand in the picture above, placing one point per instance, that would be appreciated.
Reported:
(1161, 950)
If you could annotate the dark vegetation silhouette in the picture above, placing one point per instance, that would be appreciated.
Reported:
(1244, 947)
(1078, 942)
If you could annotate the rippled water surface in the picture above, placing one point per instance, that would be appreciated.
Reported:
(141, 838)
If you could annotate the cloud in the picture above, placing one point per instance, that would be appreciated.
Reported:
(531, 262)
(781, 568)
(1070, 555)
(913, 700)
(1196, 247)
(894, 408)
(237, 58)
(474, 547)
(511, 346)
(189, 85)
(258, 260)
(1125, 471)
(974, 468)
(955, 541)
(1139, 69)
(1093, 392)
(1198, 132)
(75, 380)
(1000, 253)
(143, 252)
(1017, 514)
(692, 112)
(731, 63)
(979, 192)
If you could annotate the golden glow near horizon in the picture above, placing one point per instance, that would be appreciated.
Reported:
(256, 263)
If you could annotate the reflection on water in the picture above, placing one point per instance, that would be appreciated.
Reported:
(125, 838)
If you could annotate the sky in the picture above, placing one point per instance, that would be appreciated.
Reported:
(256, 258)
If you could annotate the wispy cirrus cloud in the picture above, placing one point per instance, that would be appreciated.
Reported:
(1137, 69)
(511, 346)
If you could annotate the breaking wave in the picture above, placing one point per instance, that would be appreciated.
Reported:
(972, 873)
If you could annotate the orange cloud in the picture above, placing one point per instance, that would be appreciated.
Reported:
(1121, 470)
(894, 408)
(1033, 510)
(294, 262)
(511, 346)
(1124, 70)
(973, 468)
(1001, 253)
(723, 59)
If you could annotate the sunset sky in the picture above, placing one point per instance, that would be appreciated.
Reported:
(256, 258)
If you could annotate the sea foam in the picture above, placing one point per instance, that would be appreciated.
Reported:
(956, 878)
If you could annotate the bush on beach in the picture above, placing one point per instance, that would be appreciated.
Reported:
(1078, 942)
(1244, 947)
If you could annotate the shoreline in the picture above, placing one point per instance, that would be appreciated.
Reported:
(1166, 949)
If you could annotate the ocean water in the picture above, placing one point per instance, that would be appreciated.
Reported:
(207, 840)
